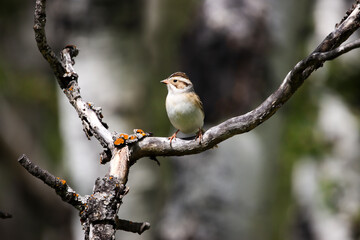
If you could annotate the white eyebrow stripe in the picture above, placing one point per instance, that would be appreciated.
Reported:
(181, 79)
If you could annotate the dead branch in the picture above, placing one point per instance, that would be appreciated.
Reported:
(135, 227)
(97, 211)
(328, 49)
(60, 186)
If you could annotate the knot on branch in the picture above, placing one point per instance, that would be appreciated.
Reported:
(67, 61)
(98, 112)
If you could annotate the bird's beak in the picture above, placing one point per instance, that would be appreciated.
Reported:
(165, 81)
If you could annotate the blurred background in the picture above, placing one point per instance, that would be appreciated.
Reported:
(294, 177)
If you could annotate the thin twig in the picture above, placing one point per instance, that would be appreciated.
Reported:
(330, 55)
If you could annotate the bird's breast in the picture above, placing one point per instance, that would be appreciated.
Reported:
(184, 114)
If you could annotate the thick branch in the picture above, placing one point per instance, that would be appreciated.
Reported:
(327, 50)
(102, 206)
(62, 189)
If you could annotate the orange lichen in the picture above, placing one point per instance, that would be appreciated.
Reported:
(63, 182)
(140, 131)
(119, 141)
(71, 88)
(132, 137)
(125, 136)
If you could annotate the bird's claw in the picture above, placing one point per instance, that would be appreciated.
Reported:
(173, 136)
(199, 135)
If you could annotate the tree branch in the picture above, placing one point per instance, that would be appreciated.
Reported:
(43, 46)
(90, 116)
(327, 50)
(98, 210)
(60, 186)
(135, 227)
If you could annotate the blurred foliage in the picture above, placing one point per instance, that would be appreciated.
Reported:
(298, 139)
(29, 111)
(9, 11)
(299, 113)
(330, 192)
(344, 80)
(124, 16)
(33, 97)
(300, 130)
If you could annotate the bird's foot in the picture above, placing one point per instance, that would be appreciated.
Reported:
(199, 135)
(173, 136)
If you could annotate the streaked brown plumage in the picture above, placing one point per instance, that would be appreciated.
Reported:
(183, 105)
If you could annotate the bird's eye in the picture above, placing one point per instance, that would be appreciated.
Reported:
(174, 80)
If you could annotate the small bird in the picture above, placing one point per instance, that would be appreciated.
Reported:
(183, 106)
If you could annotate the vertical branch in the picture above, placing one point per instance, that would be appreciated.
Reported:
(98, 212)
(43, 46)
(102, 208)
(120, 164)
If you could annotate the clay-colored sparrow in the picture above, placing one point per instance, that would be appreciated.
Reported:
(183, 105)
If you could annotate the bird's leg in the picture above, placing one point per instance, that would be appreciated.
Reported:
(199, 135)
(173, 136)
